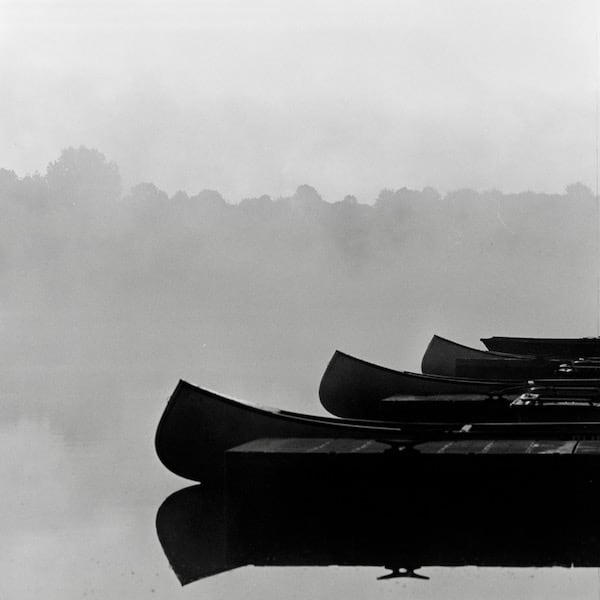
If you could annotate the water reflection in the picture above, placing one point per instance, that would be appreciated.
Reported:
(205, 531)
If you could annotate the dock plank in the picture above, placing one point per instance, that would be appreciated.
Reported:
(588, 447)
(343, 446)
(311, 446)
(553, 447)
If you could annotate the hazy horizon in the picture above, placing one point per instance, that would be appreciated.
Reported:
(367, 201)
(271, 287)
(259, 98)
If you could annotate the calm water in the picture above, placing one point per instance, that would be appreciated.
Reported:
(105, 307)
(83, 486)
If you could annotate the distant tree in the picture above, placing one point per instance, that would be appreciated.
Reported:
(406, 198)
(262, 203)
(579, 190)
(146, 195)
(306, 202)
(180, 197)
(306, 196)
(386, 199)
(83, 175)
(399, 200)
(210, 199)
(8, 181)
(30, 191)
(431, 194)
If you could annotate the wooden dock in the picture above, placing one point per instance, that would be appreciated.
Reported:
(375, 486)
(324, 501)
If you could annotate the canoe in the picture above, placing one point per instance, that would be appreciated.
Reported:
(350, 385)
(441, 355)
(198, 426)
(357, 389)
(450, 359)
(556, 347)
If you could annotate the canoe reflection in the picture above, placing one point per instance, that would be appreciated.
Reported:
(206, 531)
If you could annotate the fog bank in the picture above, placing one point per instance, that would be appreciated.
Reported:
(105, 288)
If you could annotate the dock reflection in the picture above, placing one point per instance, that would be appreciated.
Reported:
(205, 531)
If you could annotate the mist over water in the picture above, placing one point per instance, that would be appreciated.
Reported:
(253, 298)
(109, 296)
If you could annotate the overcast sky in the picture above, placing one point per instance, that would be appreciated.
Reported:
(253, 97)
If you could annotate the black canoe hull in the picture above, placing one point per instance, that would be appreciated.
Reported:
(552, 347)
(449, 359)
(351, 386)
(356, 389)
(441, 355)
(198, 426)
